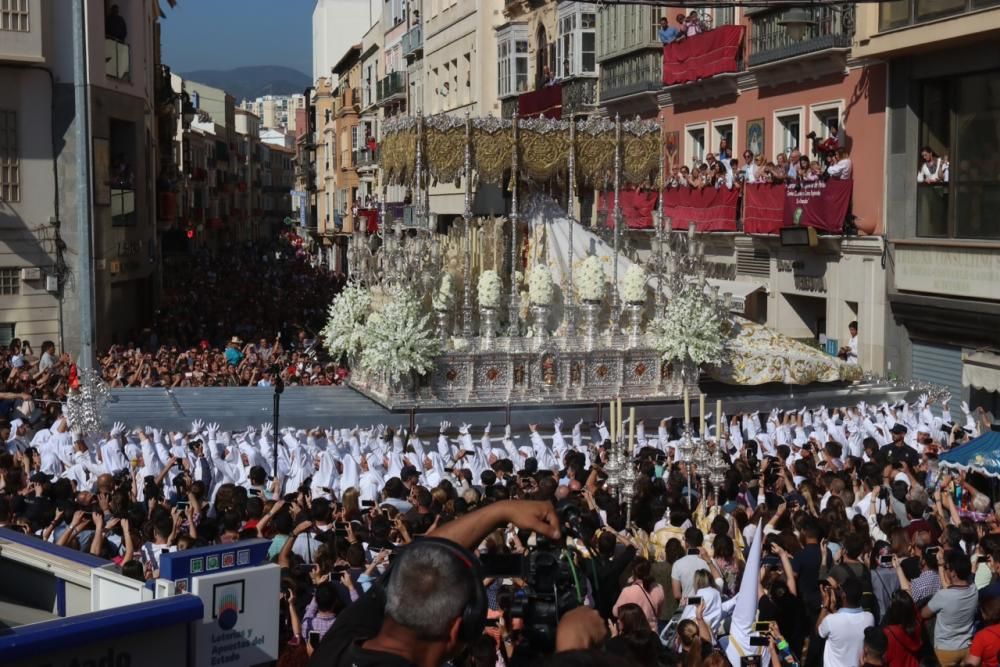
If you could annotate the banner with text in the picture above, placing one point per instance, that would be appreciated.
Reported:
(823, 205)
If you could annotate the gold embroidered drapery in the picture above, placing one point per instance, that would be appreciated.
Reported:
(492, 149)
(543, 146)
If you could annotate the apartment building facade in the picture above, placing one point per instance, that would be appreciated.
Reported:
(39, 247)
(943, 254)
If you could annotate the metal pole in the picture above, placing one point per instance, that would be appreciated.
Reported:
(569, 304)
(84, 185)
(515, 300)
(419, 192)
(659, 228)
(279, 387)
(467, 219)
(615, 299)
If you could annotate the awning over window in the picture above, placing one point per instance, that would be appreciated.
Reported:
(981, 370)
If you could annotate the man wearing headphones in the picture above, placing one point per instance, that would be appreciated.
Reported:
(432, 601)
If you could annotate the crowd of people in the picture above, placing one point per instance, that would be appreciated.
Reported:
(246, 316)
(830, 160)
(835, 538)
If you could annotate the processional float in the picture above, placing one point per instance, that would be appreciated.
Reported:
(493, 349)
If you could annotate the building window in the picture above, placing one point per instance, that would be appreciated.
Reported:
(824, 118)
(899, 13)
(789, 132)
(576, 53)
(722, 130)
(14, 15)
(512, 59)
(695, 143)
(10, 166)
(10, 282)
(958, 124)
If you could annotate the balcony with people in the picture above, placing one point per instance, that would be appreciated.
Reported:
(694, 50)
(753, 195)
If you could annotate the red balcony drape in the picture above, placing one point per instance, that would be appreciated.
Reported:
(546, 101)
(710, 209)
(701, 56)
(637, 208)
(823, 205)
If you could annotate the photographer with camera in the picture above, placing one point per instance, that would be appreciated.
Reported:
(842, 622)
(431, 602)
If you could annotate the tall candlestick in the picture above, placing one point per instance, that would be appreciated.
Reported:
(611, 419)
(718, 420)
(701, 413)
(618, 417)
(687, 408)
(631, 430)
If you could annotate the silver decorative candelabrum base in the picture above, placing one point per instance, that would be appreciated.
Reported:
(487, 327)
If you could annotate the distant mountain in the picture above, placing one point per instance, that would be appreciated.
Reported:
(252, 82)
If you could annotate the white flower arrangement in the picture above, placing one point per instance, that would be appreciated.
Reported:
(691, 326)
(540, 285)
(634, 290)
(489, 289)
(444, 296)
(590, 279)
(399, 339)
(344, 331)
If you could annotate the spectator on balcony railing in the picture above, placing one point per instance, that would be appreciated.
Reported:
(693, 25)
(725, 152)
(114, 25)
(793, 164)
(749, 168)
(842, 169)
(933, 168)
(668, 33)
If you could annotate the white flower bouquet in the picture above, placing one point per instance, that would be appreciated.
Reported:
(690, 328)
(590, 279)
(489, 289)
(540, 285)
(444, 296)
(344, 331)
(399, 339)
(634, 290)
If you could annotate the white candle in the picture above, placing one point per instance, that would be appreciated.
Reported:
(687, 408)
(718, 420)
(611, 419)
(631, 430)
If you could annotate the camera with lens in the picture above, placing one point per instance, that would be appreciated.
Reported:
(551, 572)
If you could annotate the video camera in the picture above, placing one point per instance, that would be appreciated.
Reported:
(552, 574)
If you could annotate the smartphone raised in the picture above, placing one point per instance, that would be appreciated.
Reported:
(694, 600)
(762, 626)
(759, 640)
(314, 638)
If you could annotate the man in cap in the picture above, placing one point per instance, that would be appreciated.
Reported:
(898, 451)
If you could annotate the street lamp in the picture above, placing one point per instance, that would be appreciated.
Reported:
(279, 387)
(797, 21)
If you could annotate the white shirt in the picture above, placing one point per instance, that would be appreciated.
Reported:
(842, 170)
(844, 632)
(852, 350)
(934, 171)
(683, 571)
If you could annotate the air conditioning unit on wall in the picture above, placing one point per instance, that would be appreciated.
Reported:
(31, 273)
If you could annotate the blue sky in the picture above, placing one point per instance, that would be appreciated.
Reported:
(223, 34)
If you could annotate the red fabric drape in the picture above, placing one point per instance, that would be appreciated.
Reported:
(710, 209)
(763, 208)
(702, 56)
(823, 205)
(637, 208)
(546, 101)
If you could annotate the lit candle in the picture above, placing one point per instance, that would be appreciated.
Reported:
(631, 430)
(701, 413)
(718, 420)
(687, 408)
